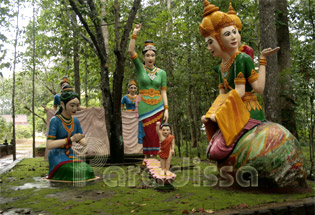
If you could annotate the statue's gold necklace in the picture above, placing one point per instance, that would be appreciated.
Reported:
(151, 74)
(132, 98)
(225, 66)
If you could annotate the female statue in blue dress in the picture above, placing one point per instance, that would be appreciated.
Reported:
(64, 166)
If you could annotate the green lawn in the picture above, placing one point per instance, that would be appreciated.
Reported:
(130, 192)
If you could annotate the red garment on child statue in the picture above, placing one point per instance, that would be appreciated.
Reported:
(166, 147)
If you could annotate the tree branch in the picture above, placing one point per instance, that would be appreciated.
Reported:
(29, 109)
(50, 90)
(86, 26)
(116, 8)
(98, 28)
(89, 41)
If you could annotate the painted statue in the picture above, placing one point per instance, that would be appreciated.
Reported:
(153, 105)
(242, 48)
(64, 166)
(132, 131)
(129, 100)
(167, 146)
(235, 124)
(64, 82)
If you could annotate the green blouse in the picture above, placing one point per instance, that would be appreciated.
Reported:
(242, 70)
(149, 105)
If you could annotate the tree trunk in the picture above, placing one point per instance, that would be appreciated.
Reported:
(268, 39)
(33, 80)
(196, 113)
(191, 118)
(86, 78)
(104, 27)
(76, 58)
(187, 149)
(284, 66)
(121, 47)
(312, 97)
(110, 101)
(13, 93)
(311, 133)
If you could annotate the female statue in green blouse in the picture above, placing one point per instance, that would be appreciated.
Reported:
(153, 105)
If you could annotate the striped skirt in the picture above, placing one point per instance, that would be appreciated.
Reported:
(151, 145)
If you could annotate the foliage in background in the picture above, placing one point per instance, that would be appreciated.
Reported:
(182, 53)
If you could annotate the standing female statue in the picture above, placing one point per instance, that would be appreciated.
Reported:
(152, 88)
(130, 99)
(64, 82)
(235, 123)
(132, 131)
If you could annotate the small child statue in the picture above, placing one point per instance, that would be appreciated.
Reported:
(167, 144)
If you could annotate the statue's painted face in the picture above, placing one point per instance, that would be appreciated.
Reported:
(213, 46)
(229, 38)
(71, 107)
(132, 89)
(149, 59)
(166, 130)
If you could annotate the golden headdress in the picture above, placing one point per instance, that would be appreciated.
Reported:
(236, 19)
(213, 20)
(132, 82)
(64, 80)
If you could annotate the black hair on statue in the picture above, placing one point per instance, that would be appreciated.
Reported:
(67, 95)
(166, 125)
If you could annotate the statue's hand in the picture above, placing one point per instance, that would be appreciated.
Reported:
(83, 142)
(212, 117)
(268, 51)
(137, 28)
(77, 137)
(204, 119)
(158, 123)
(165, 118)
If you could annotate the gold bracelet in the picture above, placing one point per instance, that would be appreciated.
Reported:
(134, 36)
(165, 107)
(262, 62)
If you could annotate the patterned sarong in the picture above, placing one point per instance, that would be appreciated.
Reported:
(151, 144)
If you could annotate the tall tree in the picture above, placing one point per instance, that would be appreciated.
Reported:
(284, 66)
(86, 77)
(110, 98)
(14, 66)
(76, 57)
(33, 79)
(268, 39)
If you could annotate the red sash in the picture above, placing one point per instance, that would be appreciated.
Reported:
(165, 147)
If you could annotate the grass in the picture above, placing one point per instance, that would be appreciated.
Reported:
(135, 192)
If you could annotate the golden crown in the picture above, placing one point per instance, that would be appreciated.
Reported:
(213, 20)
(236, 19)
(132, 82)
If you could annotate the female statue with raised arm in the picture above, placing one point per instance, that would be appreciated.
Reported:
(152, 88)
